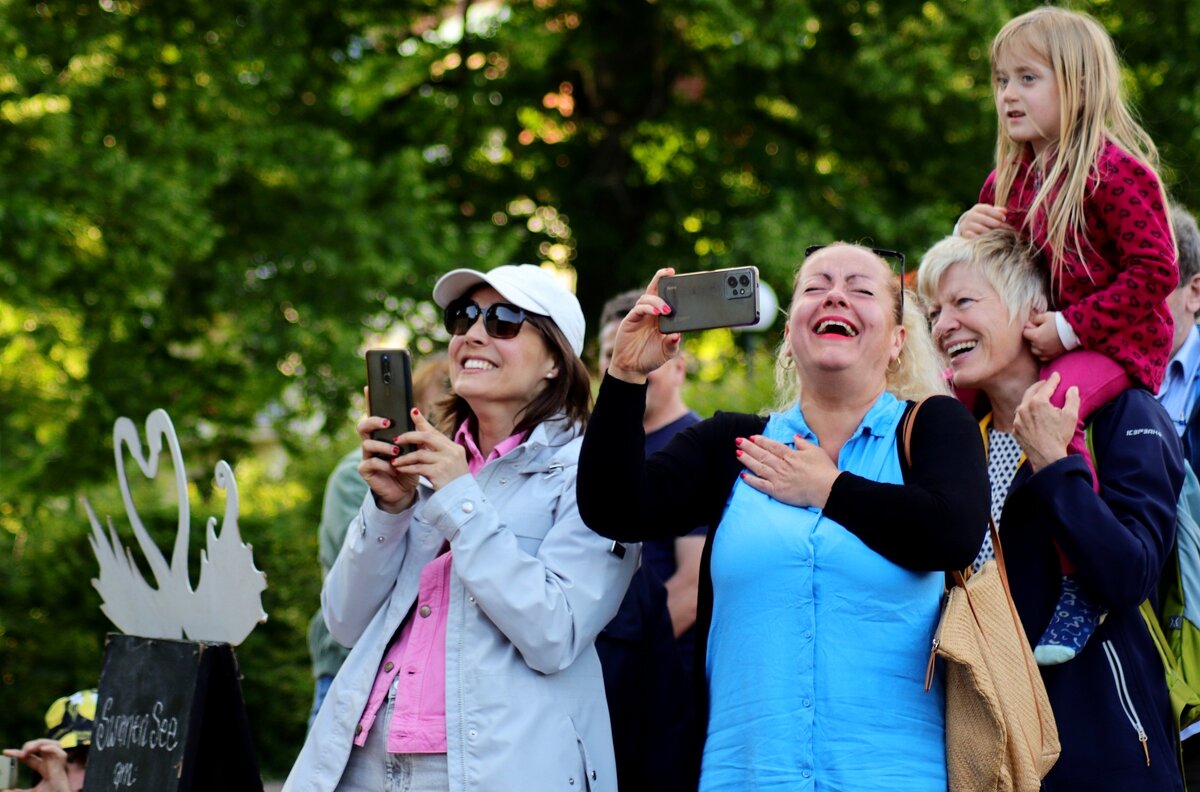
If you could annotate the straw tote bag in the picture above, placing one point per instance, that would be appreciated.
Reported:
(1000, 731)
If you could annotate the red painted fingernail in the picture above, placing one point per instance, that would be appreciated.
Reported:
(395, 450)
(738, 440)
(415, 412)
(386, 423)
(739, 452)
(396, 439)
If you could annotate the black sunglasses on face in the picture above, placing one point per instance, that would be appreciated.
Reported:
(500, 320)
(883, 253)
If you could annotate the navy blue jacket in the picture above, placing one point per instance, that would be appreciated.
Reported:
(1118, 542)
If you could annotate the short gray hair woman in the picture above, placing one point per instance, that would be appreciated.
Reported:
(1114, 716)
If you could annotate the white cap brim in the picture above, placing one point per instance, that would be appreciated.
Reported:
(525, 286)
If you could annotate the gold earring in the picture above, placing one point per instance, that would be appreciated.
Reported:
(893, 365)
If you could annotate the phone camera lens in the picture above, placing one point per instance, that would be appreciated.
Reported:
(732, 281)
(744, 280)
(387, 378)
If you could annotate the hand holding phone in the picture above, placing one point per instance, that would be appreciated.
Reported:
(389, 393)
(704, 300)
(44, 757)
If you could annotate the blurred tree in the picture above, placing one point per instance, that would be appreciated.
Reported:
(715, 133)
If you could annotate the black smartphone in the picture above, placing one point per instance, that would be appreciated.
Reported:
(704, 300)
(389, 393)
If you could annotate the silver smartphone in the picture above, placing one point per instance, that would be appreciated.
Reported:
(8, 772)
(704, 300)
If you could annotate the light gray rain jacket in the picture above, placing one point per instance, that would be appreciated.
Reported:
(531, 587)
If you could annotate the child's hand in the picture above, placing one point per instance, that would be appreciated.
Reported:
(1042, 334)
(980, 219)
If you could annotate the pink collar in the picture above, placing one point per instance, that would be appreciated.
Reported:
(475, 458)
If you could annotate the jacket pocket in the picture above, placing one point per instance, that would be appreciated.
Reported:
(587, 780)
(1123, 696)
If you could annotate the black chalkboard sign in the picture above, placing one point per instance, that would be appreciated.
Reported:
(170, 718)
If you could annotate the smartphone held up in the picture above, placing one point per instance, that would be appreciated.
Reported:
(389, 392)
(704, 300)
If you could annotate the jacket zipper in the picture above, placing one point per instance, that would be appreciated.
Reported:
(1118, 672)
(937, 642)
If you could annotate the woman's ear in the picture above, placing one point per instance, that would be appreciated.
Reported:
(1028, 312)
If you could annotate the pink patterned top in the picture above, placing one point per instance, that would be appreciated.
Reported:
(1114, 297)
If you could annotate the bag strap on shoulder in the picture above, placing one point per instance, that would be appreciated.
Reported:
(906, 428)
(959, 576)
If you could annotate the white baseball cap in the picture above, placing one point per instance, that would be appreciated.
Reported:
(525, 286)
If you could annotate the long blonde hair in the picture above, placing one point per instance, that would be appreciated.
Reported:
(918, 370)
(1092, 111)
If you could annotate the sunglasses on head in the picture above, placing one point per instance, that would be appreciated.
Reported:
(883, 253)
(500, 320)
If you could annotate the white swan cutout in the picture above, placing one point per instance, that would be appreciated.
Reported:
(226, 604)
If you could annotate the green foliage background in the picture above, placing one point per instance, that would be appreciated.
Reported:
(213, 206)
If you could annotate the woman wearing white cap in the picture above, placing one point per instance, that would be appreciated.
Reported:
(468, 586)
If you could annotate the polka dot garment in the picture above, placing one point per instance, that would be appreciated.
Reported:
(1004, 457)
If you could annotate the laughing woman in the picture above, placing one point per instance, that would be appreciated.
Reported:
(468, 587)
(822, 572)
(1110, 701)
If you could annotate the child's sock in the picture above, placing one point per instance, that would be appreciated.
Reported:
(1075, 619)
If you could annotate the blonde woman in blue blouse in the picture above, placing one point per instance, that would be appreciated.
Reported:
(822, 574)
